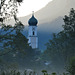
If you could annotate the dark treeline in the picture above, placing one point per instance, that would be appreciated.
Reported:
(26, 72)
(61, 49)
(15, 51)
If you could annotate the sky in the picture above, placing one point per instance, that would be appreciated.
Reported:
(27, 6)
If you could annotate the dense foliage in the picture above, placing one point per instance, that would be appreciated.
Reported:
(15, 51)
(8, 8)
(62, 47)
(14, 48)
(71, 67)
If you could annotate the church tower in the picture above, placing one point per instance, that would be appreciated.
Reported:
(32, 33)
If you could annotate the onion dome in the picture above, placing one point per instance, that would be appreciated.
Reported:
(32, 21)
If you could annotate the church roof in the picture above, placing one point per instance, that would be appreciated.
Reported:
(32, 21)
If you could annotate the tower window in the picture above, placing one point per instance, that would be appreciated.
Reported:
(33, 33)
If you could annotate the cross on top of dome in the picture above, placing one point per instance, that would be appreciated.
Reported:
(32, 13)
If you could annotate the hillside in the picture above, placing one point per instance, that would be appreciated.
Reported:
(50, 18)
(51, 11)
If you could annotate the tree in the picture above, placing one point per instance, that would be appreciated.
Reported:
(69, 30)
(19, 50)
(69, 21)
(8, 8)
(44, 72)
(14, 45)
(7, 35)
(18, 73)
(3, 73)
(71, 66)
(62, 46)
(53, 73)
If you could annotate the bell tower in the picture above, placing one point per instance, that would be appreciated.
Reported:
(32, 32)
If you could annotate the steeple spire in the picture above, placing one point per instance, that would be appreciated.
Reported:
(32, 13)
(32, 21)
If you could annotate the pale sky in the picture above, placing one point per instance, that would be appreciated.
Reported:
(28, 6)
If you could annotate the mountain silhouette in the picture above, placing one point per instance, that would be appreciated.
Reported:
(50, 19)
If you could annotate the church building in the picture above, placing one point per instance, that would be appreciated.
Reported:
(32, 32)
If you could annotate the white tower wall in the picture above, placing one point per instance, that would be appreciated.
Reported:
(32, 37)
(31, 30)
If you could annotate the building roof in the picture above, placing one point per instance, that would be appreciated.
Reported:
(32, 21)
